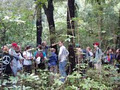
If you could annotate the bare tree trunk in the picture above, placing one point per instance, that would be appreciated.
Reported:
(50, 18)
(39, 25)
(3, 34)
(118, 36)
(71, 28)
(70, 16)
(100, 22)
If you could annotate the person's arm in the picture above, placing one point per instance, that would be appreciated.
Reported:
(25, 55)
(14, 54)
(60, 53)
(56, 58)
(100, 53)
(67, 52)
(35, 53)
(44, 55)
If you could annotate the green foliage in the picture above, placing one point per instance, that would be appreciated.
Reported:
(40, 3)
(17, 24)
(95, 21)
(108, 79)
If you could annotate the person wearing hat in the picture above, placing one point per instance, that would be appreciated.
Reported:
(97, 56)
(12, 52)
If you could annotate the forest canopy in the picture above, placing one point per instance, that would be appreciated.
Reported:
(94, 21)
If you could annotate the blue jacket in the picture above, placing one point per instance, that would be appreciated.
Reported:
(52, 59)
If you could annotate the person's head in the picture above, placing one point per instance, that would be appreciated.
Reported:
(40, 47)
(88, 49)
(107, 53)
(44, 43)
(5, 49)
(96, 44)
(27, 47)
(60, 43)
(118, 51)
(52, 50)
(111, 50)
(17, 49)
(77, 45)
(14, 45)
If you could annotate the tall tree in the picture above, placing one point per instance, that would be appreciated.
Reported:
(3, 30)
(39, 23)
(118, 36)
(50, 18)
(71, 32)
(100, 20)
(70, 16)
(99, 15)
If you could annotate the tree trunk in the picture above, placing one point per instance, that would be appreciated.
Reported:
(3, 34)
(100, 22)
(118, 34)
(70, 15)
(39, 25)
(71, 31)
(50, 18)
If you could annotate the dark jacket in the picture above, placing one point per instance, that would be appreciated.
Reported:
(6, 63)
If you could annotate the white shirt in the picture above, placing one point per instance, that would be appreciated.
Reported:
(63, 53)
(27, 55)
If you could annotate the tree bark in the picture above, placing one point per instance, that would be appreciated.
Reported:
(70, 15)
(71, 31)
(50, 18)
(118, 32)
(3, 34)
(100, 22)
(39, 25)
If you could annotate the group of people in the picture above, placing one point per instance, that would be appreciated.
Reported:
(45, 57)
(93, 57)
(96, 57)
(14, 60)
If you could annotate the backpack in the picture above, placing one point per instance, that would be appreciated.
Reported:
(39, 57)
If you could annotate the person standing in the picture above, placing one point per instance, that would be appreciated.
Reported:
(40, 57)
(6, 61)
(89, 53)
(45, 47)
(98, 56)
(62, 57)
(12, 52)
(89, 56)
(117, 57)
(112, 55)
(52, 63)
(79, 54)
(20, 61)
(28, 57)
